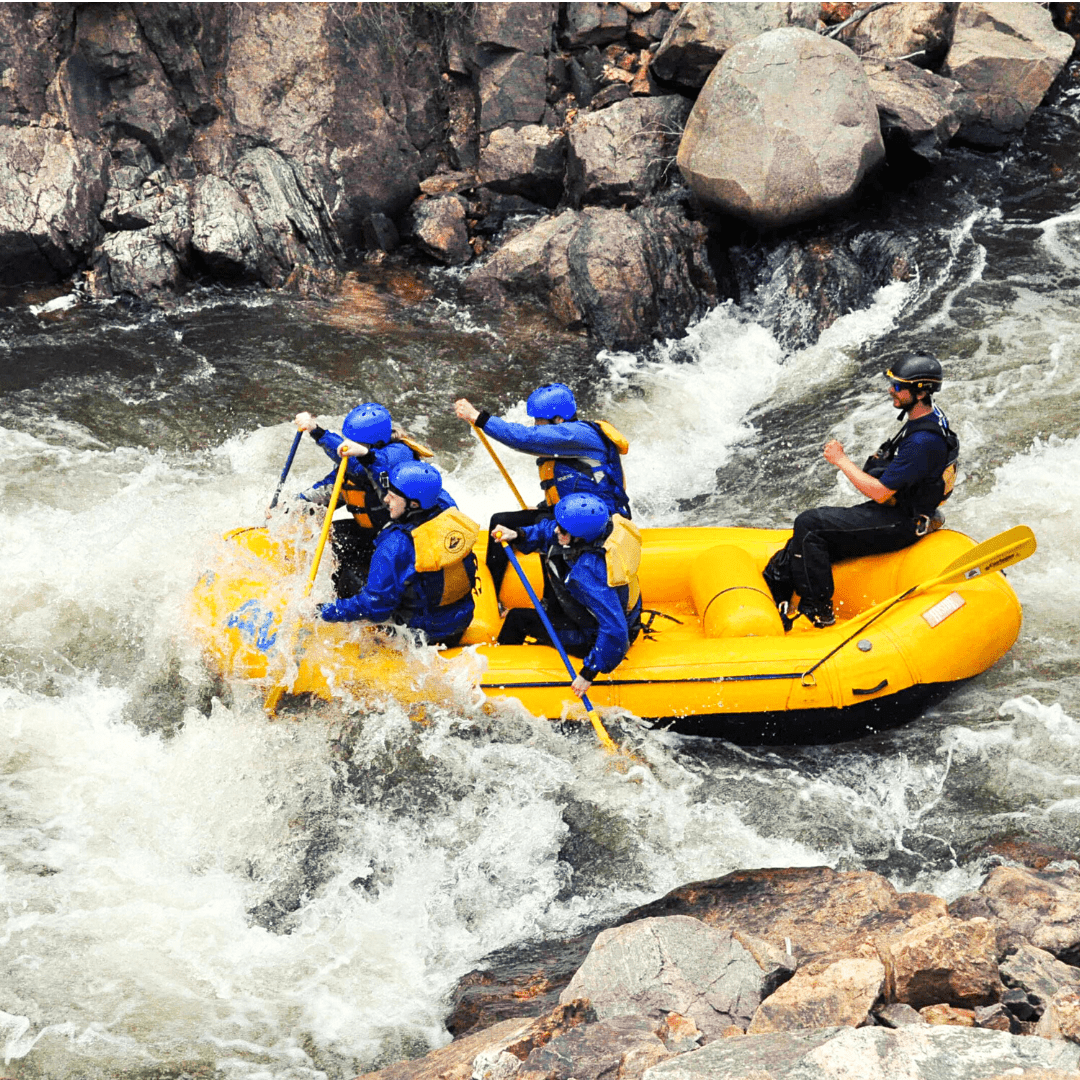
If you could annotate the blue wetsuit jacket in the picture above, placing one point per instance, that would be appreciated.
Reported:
(568, 443)
(587, 583)
(396, 591)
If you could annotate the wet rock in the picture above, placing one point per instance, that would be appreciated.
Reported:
(529, 161)
(594, 24)
(785, 129)
(457, 1059)
(945, 960)
(1043, 906)
(623, 1046)
(677, 964)
(1006, 56)
(52, 186)
(438, 227)
(380, 233)
(639, 276)
(627, 277)
(800, 287)
(523, 981)
(1061, 1020)
(1037, 975)
(624, 153)
(918, 32)
(838, 994)
(700, 34)
(916, 108)
(921, 1052)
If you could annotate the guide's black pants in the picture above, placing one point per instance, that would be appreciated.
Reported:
(829, 533)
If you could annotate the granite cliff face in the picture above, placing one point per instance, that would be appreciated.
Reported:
(147, 147)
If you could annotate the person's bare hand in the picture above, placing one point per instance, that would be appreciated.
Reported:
(465, 410)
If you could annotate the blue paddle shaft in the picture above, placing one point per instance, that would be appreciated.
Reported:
(285, 471)
(543, 617)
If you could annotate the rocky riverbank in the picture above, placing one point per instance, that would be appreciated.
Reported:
(806, 972)
(612, 163)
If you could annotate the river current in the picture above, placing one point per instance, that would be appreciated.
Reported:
(189, 889)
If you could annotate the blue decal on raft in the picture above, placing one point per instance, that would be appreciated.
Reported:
(246, 619)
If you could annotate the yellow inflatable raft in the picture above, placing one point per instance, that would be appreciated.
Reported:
(715, 659)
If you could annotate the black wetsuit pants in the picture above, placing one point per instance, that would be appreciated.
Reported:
(353, 548)
(829, 533)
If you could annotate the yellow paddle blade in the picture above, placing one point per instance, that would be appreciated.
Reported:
(991, 555)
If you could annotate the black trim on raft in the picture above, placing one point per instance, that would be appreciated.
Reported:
(812, 727)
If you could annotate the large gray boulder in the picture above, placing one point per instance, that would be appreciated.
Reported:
(922, 1052)
(52, 186)
(622, 154)
(701, 33)
(1006, 56)
(784, 130)
(678, 964)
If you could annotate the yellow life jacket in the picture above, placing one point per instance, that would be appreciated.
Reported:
(583, 464)
(622, 556)
(443, 543)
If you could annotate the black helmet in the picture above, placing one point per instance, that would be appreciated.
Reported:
(917, 370)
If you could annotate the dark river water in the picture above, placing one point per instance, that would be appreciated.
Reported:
(186, 886)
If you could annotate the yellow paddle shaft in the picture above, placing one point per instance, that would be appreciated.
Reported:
(502, 468)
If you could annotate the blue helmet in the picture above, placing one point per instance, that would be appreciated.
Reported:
(369, 424)
(547, 402)
(582, 515)
(417, 480)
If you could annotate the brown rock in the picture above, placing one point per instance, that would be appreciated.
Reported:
(679, 1033)
(900, 30)
(1044, 906)
(1038, 974)
(840, 995)
(623, 1046)
(996, 1018)
(948, 1016)
(819, 911)
(455, 1062)
(945, 960)
(1062, 1017)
